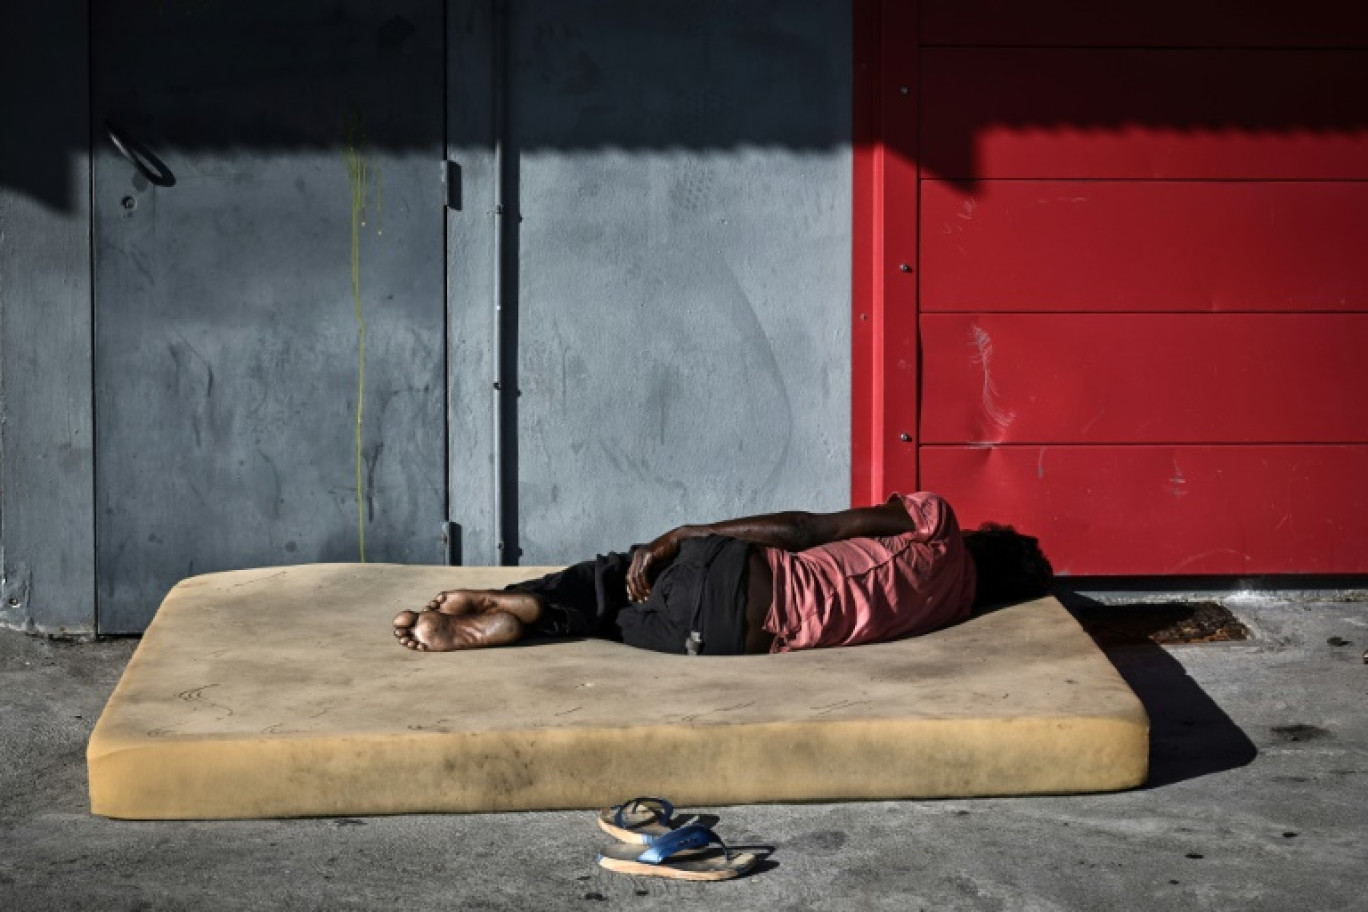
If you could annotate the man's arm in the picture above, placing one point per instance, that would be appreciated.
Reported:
(791, 531)
(798, 531)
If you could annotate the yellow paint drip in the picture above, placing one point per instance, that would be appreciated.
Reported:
(358, 168)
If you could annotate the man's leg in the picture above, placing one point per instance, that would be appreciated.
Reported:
(581, 600)
(728, 579)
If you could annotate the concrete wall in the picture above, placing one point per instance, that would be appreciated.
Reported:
(677, 278)
(46, 465)
(269, 345)
(676, 281)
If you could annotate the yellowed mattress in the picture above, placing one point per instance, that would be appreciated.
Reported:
(281, 692)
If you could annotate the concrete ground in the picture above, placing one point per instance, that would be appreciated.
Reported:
(1258, 800)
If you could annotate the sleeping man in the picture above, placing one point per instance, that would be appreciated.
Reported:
(770, 583)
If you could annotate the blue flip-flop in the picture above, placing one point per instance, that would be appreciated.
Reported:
(640, 821)
(702, 855)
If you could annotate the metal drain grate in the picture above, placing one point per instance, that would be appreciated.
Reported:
(1165, 623)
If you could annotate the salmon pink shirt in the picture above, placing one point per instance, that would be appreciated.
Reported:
(868, 590)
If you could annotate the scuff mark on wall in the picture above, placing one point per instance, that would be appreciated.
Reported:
(358, 171)
(1092, 421)
(16, 591)
(1177, 481)
(372, 460)
(983, 346)
(1197, 558)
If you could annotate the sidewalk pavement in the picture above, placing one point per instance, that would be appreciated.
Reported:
(1258, 800)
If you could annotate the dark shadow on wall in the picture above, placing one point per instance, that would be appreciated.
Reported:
(185, 75)
(44, 139)
(1175, 113)
(616, 74)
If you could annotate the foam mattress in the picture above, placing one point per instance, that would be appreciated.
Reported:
(281, 692)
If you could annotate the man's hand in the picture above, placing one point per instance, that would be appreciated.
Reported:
(648, 561)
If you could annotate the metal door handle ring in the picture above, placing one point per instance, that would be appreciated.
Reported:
(138, 155)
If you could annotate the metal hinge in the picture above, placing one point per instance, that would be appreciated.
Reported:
(451, 180)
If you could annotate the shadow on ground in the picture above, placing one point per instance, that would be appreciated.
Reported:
(1190, 735)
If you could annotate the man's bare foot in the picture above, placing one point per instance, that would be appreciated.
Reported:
(525, 606)
(468, 619)
(459, 601)
(436, 631)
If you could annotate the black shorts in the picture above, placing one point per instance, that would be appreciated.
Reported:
(697, 605)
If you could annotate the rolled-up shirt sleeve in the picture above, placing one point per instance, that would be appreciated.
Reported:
(934, 518)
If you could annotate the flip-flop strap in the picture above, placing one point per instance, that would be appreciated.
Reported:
(694, 836)
(666, 810)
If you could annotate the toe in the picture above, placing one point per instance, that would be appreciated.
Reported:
(405, 619)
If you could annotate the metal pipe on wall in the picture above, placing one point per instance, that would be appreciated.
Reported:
(505, 289)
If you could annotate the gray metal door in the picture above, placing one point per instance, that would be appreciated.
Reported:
(269, 314)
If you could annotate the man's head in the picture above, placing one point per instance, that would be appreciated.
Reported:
(1011, 567)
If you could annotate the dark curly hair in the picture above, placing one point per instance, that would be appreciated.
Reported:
(1011, 566)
